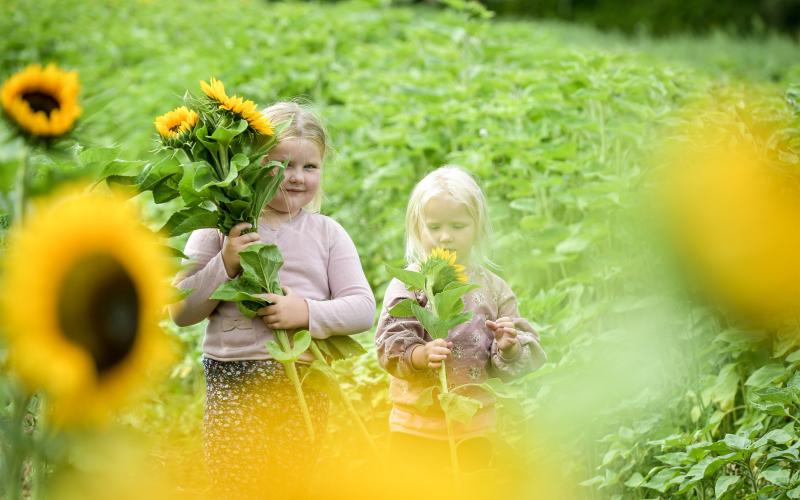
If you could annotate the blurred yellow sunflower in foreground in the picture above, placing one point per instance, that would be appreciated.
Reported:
(733, 205)
(42, 101)
(177, 122)
(84, 287)
(245, 109)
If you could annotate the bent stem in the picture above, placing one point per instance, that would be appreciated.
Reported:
(451, 440)
(347, 403)
(291, 372)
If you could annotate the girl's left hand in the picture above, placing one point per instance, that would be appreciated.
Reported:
(287, 312)
(505, 335)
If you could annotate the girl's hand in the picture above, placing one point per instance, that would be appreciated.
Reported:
(235, 242)
(287, 312)
(431, 354)
(506, 336)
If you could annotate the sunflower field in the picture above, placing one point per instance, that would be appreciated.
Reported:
(644, 195)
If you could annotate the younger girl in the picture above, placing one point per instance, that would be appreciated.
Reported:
(256, 440)
(447, 210)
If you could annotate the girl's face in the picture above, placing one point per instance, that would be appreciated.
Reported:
(302, 176)
(447, 224)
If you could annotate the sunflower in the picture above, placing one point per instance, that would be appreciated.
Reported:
(215, 90)
(247, 110)
(244, 109)
(80, 310)
(443, 264)
(42, 101)
(173, 125)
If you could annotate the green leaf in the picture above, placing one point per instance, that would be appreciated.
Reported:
(244, 291)
(449, 302)
(724, 484)
(662, 480)
(339, 347)
(157, 172)
(412, 279)
(205, 177)
(224, 135)
(724, 390)
(766, 375)
(777, 436)
(459, 408)
(186, 187)
(402, 309)
(635, 481)
(190, 219)
(261, 263)
(98, 156)
(776, 475)
(433, 325)
(737, 442)
(301, 341)
(279, 354)
(166, 189)
(425, 399)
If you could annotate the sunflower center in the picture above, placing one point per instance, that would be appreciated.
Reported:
(41, 101)
(98, 309)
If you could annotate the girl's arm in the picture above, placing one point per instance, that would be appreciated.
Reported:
(206, 274)
(351, 308)
(530, 355)
(396, 338)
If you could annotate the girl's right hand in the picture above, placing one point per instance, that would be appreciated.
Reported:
(431, 354)
(235, 242)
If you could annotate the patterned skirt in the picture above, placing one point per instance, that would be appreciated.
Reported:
(256, 441)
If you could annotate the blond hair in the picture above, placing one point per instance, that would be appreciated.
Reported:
(458, 184)
(297, 120)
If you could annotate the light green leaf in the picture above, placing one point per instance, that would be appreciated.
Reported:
(402, 309)
(190, 219)
(425, 399)
(459, 408)
(724, 484)
(412, 279)
(433, 325)
(224, 135)
(301, 341)
(766, 375)
(449, 302)
(279, 354)
(261, 263)
(776, 475)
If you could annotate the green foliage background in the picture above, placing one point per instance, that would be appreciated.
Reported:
(557, 122)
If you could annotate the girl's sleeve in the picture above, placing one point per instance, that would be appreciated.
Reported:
(530, 356)
(395, 338)
(207, 272)
(351, 308)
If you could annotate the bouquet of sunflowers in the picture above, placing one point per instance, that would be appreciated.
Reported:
(215, 143)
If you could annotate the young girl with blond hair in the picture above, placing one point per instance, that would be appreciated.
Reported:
(256, 440)
(447, 210)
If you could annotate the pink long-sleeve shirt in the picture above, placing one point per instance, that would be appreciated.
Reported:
(321, 265)
(474, 356)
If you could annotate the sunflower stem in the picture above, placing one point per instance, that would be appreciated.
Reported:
(223, 162)
(291, 372)
(451, 440)
(18, 446)
(21, 181)
(347, 403)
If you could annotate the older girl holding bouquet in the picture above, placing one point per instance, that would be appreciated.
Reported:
(256, 441)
